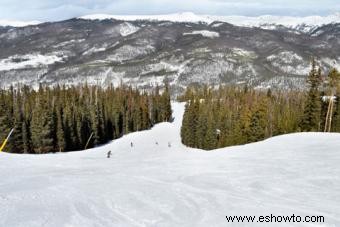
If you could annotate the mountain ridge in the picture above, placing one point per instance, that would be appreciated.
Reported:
(239, 20)
(146, 53)
(245, 21)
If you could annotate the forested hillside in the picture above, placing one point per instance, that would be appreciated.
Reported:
(239, 115)
(143, 53)
(68, 119)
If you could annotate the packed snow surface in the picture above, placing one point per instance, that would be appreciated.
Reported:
(154, 184)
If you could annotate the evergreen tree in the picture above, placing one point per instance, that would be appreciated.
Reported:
(6, 121)
(201, 129)
(257, 127)
(210, 139)
(63, 118)
(26, 138)
(61, 143)
(166, 105)
(190, 119)
(312, 112)
(232, 116)
(41, 128)
(16, 140)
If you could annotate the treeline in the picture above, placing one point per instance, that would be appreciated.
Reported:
(63, 119)
(216, 118)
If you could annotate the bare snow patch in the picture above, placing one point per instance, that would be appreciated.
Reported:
(30, 60)
(243, 52)
(287, 57)
(129, 52)
(204, 33)
(127, 29)
(94, 50)
(334, 63)
(66, 43)
(217, 25)
(289, 62)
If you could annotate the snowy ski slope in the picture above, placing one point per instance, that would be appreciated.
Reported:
(158, 185)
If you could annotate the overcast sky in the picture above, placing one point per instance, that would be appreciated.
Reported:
(52, 10)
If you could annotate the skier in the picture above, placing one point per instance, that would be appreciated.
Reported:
(109, 154)
(169, 144)
(131, 144)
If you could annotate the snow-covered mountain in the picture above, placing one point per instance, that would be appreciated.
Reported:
(264, 21)
(176, 48)
(302, 24)
(14, 23)
(176, 17)
(154, 184)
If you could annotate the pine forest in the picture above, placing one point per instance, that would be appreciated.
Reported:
(216, 118)
(64, 119)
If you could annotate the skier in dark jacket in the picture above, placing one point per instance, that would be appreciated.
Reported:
(109, 154)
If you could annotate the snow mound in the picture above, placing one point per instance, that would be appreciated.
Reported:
(204, 33)
(160, 182)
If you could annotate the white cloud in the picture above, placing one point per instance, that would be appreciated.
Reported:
(62, 9)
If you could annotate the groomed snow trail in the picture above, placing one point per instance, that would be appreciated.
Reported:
(158, 185)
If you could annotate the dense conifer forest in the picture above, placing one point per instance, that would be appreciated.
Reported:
(63, 119)
(216, 118)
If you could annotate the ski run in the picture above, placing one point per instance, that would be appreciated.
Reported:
(151, 179)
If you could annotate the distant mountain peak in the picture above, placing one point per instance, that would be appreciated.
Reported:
(146, 53)
(288, 21)
(15, 23)
(175, 17)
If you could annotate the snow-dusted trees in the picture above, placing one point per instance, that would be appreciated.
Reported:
(63, 119)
